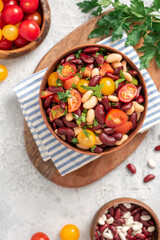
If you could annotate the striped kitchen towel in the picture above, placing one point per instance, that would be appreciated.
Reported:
(63, 158)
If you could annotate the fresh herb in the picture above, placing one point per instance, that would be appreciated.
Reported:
(113, 104)
(53, 113)
(97, 53)
(59, 83)
(146, 24)
(86, 133)
(78, 53)
(65, 111)
(96, 90)
(80, 119)
(78, 74)
(105, 57)
(59, 69)
(92, 148)
(64, 95)
(134, 81)
(122, 79)
(95, 122)
(82, 69)
(96, 134)
(74, 140)
(74, 85)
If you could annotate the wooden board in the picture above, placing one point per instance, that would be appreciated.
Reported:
(103, 165)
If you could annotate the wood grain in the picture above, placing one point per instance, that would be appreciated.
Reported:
(103, 165)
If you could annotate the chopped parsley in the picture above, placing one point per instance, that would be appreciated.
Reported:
(96, 90)
(59, 83)
(74, 140)
(80, 119)
(122, 79)
(64, 95)
(78, 53)
(95, 122)
(92, 148)
(59, 69)
(86, 133)
(82, 69)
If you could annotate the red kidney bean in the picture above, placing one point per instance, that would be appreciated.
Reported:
(133, 119)
(103, 145)
(139, 88)
(144, 212)
(131, 168)
(91, 66)
(98, 149)
(86, 58)
(118, 105)
(117, 136)
(78, 112)
(108, 215)
(146, 224)
(157, 148)
(115, 224)
(102, 238)
(108, 130)
(69, 139)
(133, 72)
(95, 80)
(129, 232)
(48, 110)
(116, 237)
(140, 99)
(47, 102)
(140, 236)
(91, 49)
(70, 57)
(59, 123)
(100, 113)
(117, 70)
(76, 61)
(120, 221)
(55, 89)
(111, 75)
(54, 125)
(96, 235)
(134, 211)
(103, 227)
(132, 238)
(105, 102)
(136, 216)
(120, 85)
(70, 124)
(108, 140)
(149, 177)
(127, 106)
(133, 206)
(63, 105)
(62, 61)
(99, 58)
(111, 211)
(144, 230)
(117, 213)
(99, 126)
(123, 208)
(151, 222)
(113, 229)
(65, 131)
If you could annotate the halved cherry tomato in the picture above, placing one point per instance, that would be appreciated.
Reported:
(66, 71)
(127, 93)
(45, 94)
(52, 79)
(39, 236)
(69, 232)
(75, 101)
(55, 98)
(87, 138)
(115, 118)
(55, 112)
(124, 128)
(68, 83)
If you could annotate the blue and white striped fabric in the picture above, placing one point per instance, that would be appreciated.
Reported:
(63, 158)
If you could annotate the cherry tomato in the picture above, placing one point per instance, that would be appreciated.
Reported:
(45, 94)
(127, 93)
(87, 138)
(55, 112)
(10, 32)
(68, 83)
(124, 128)
(29, 30)
(40, 236)
(52, 79)
(2, 23)
(66, 71)
(20, 42)
(0, 34)
(84, 83)
(29, 6)
(69, 232)
(75, 101)
(115, 118)
(10, 3)
(1, 6)
(109, 86)
(12, 14)
(5, 44)
(36, 17)
(55, 98)
(3, 72)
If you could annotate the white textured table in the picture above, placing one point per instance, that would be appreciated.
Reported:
(29, 202)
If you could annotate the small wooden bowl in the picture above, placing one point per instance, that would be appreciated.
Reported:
(52, 68)
(46, 19)
(117, 201)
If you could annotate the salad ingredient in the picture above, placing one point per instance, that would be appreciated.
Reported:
(52, 79)
(12, 14)
(124, 128)
(74, 101)
(1, 6)
(36, 17)
(124, 138)
(81, 83)
(71, 82)
(149, 177)
(115, 118)
(29, 30)
(20, 42)
(131, 168)
(3, 72)
(55, 112)
(66, 71)
(40, 236)
(69, 232)
(29, 6)
(86, 138)
(10, 32)
(127, 93)
(109, 86)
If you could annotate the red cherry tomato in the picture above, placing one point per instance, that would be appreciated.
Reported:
(20, 42)
(10, 3)
(45, 94)
(12, 14)
(55, 112)
(55, 98)
(127, 93)
(75, 101)
(124, 128)
(66, 71)
(2, 23)
(36, 17)
(115, 118)
(29, 30)
(29, 6)
(40, 236)
(5, 44)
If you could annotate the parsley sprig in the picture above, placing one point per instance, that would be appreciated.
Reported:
(64, 95)
(121, 79)
(146, 24)
(96, 90)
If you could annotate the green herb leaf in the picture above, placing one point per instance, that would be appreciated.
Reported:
(96, 90)
(59, 69)
(74, 85)
(86, 133)
(74, 140)
(156, 5)
(64, 95)
(78, 53)
(59, 83)
(82, 69)
(92, 148)
(65, 111)
(90, 5)
(95, 122)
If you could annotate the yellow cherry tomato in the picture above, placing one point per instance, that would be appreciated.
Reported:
(1, 6)
(69, 232)
(52, 79)
(87, 138)
(3, 72)
(0, 34)
(84, 83)
(10, 32)
(109, 86)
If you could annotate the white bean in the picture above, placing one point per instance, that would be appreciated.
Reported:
(128, 76)
(114, 57)
(116, 120)
(87, 96)
(98, 141)
(151, 229)
(61, 136)
(90, 115)
(122, 236)
(127, 205)
(108, 235)
(104, 217)
(138, 116)
(77, 130)
(124, 138)
(138, 107)
(101, 221)
(130, 111)
(98, 131)
(135, 232)
(151, 163)
(129, 221)
(82, 147)
(110, 220)
(95, 72)
(124, 64)
(127, 215)
(145, 217)
(69, 117)
(116, 64)
(137, 227)
(91, 103)
(113, 98)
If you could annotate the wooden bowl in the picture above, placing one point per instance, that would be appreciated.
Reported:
(117, 201)
(46, 18)
(52, 68)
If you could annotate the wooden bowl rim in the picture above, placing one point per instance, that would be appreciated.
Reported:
(51, 69)
(119, 201)
(46, 20)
